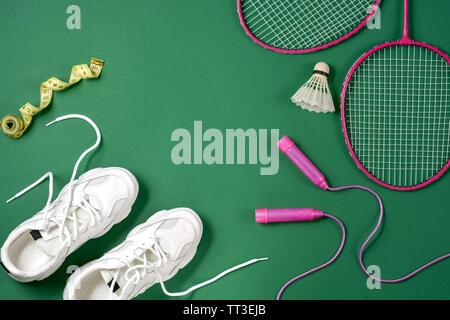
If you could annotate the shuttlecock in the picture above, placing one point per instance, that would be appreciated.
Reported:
(315, 94)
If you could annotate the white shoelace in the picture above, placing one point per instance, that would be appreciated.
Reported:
(69, 210)
(140, 270)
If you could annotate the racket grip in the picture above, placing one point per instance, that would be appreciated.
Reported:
(302, 162)
(285, 215)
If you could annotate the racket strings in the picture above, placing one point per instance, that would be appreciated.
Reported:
(278, 25)
(302, 24)
(397, 114)
(270, 27)
(278, 20)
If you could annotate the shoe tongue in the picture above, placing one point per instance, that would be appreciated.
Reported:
(50, 245)
(48, 240)
(108, 277)
(83, 219)
(120, 281)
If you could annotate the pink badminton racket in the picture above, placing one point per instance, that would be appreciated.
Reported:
(395, 113)
(300, 26)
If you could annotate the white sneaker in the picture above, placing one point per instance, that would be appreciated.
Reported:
(85, 209)
(153, 252)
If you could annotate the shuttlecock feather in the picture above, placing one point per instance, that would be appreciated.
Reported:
(315, 94)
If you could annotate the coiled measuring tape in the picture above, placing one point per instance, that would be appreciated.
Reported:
(14, 127)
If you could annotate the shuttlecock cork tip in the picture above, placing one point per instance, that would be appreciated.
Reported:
(322, 68)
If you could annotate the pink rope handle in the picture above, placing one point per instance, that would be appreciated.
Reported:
(338, 252)
(361, 250)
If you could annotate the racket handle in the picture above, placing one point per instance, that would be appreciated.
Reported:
(302, 162)
(285, 215)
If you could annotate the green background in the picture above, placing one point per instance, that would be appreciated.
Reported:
(171, 62)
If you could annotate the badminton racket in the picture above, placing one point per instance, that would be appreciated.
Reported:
(395, 113)
(300, 26)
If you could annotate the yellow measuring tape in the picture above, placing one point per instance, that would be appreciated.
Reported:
(14, 127)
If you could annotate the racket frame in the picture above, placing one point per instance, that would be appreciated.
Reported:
(290, 51)
(405, 41)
